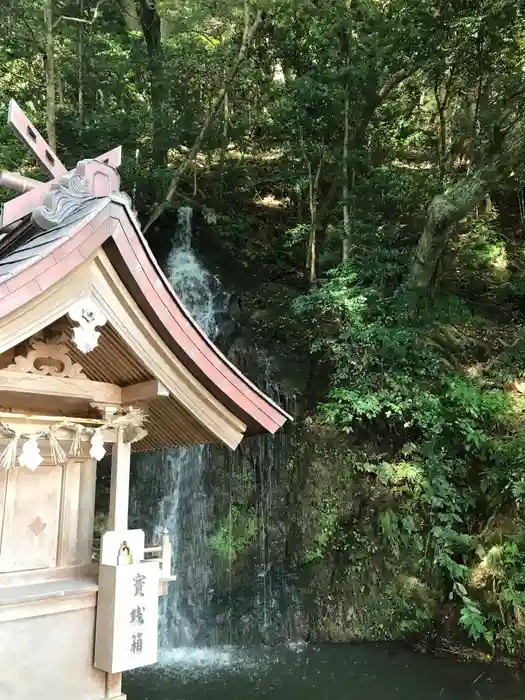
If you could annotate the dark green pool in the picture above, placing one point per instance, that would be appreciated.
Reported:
(340, 672)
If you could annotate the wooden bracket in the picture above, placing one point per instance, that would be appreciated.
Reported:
(146, 391)
(106, 410)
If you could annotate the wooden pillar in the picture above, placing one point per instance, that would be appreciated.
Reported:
(114, 686)
(119, 493)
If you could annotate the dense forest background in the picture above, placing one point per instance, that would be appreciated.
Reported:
(356, 170)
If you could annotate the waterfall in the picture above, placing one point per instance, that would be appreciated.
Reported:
(172, 481)
(210, 603)
(257, 604)
(187, 509)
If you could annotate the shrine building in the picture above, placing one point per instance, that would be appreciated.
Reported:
(97, 355)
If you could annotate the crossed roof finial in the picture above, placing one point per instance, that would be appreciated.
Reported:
(30, 135)
(24, 204)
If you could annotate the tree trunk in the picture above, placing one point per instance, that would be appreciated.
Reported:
(80, 93)
(313, 194)
(442, 131)
(224, 146)
(130, 15)
(347, 237)
(151, 28)
(447, 209)
(51, 83)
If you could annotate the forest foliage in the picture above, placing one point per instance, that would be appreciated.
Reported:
(360, 164)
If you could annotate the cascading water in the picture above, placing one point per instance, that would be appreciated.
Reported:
(205, 605)
(182, 504)
(257, 604)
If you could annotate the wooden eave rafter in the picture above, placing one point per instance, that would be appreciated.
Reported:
(97, 279)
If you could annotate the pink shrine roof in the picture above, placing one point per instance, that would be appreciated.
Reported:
(54, 227)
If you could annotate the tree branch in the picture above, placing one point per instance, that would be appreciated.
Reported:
(393, 81)
(80, 20)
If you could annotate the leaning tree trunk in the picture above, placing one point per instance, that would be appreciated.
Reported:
(51, 82)
(447, 209)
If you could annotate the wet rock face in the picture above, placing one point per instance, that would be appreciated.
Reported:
(244, 587)
(247, 524)
(223, 509)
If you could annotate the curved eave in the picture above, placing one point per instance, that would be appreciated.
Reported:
(136, 265)
(111, 225)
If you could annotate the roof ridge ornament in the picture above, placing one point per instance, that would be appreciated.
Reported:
(89, 317)
(65, 197)
(90, 179)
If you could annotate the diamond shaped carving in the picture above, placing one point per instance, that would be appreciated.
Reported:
(38, 526)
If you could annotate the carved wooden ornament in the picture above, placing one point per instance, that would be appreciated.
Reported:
(59, 363)
(89, 317)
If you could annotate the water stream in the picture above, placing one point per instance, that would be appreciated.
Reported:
(258, 604)
(208, 605)
(172, 481)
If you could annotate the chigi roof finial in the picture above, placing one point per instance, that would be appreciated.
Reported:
(34, 191)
